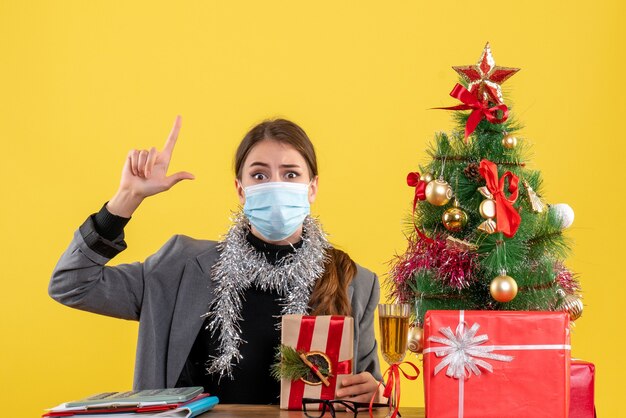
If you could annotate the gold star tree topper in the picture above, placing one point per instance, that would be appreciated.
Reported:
(485, 77)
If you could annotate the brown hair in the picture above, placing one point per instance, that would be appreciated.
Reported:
(280, 130)
(330, 294)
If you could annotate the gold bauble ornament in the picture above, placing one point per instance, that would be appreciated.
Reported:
(509, 141)
(416, 339)
(573, 305)
(427, 177)
(438, 192)
(503, 288)
(454, 219)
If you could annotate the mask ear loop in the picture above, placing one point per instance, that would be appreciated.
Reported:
(243, 190)
(239, 184)
(303, 228)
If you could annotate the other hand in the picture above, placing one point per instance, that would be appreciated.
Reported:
(358, 388)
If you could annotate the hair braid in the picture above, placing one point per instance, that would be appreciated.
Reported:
(330, 295)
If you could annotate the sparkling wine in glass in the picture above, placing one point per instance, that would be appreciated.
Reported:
(394, 331)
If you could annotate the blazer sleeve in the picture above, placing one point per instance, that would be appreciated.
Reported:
(367, 351)
(82, 280)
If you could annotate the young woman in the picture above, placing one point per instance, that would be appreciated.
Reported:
(208, 311)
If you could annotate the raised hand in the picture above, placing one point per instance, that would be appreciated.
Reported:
(145, 174)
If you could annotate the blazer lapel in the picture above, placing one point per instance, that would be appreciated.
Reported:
(194, 295)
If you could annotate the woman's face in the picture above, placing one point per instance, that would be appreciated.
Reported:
(270, 161)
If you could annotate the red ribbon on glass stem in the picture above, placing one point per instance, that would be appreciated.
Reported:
(413, 180)
(507, 217)
(479, 109)
(392, 385)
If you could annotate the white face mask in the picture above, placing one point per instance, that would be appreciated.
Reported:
(277, 209)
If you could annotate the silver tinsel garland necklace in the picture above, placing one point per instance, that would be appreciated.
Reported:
(240, 266)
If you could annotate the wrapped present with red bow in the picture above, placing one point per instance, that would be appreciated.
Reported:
(496, 364)
(320, 349)
(582, 389)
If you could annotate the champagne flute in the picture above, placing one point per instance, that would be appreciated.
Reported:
(394, 331)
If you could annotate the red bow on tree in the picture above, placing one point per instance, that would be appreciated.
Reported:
(507, 217)
(479, 109)
(413, 179)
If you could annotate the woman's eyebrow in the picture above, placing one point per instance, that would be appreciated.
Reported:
(262, 164)
(259, 163)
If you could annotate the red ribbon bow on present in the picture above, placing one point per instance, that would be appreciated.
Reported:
(479, 109)
(413, 180)
(507, 217)
(393, 384)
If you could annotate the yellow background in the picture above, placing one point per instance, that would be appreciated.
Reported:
(83, 82)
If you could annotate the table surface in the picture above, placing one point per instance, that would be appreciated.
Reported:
(272, 411)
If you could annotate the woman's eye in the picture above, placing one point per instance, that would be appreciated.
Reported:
(291, 175)
(259, 176)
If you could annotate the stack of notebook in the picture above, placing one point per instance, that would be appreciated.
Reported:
(174, 403)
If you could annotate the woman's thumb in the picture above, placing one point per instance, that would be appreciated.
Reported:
(176, 177)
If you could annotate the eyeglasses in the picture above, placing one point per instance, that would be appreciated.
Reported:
(316, 408)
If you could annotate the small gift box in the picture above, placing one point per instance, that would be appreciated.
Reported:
(327, 343)
(582, 389)
(496, 364)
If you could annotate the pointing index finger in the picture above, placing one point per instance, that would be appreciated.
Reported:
(171, 139)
